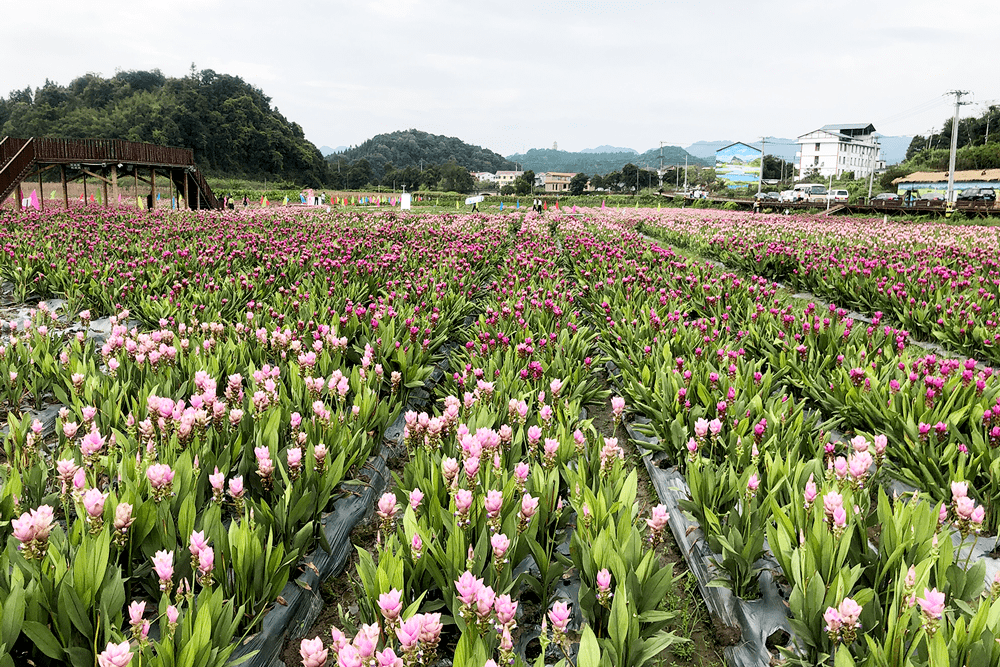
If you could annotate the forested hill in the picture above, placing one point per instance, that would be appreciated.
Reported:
(547, 159)
(407, 148)
(230, 124)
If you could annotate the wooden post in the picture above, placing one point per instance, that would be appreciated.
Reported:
(41, 193)
(104, 188)
(20, 196)
(135, 174)
(187, 202)
(197, 197)
(152, 187)
(114, 185)
(85, 189)
(62, 176)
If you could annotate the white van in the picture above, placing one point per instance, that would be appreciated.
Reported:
(805, 191)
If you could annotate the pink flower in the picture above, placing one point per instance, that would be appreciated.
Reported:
(416, 497)
(463, 501)
(753, 483)
(534, 434)
(430, 628)
(810, 492)
(500, 544)
(658, 518)
(163, 565)
(115, 655)
(831, 502)
(70, 429)
(236, 487)
(701, 428)
(559, 616)
(313, 652)
(604, 579)
(123, 516)
(932, 603)
(217, 480)
(348, 656)
(160, 476)
(91, 443)
(197, 542)
(172, 614)
(529, 505)
(505, 609)
(493, 502)
(388, 658)
(206, 560)
(468, 587)
(832, 618)
(964, 506)
(387, 506)
(391, 604)
(959, 490)
(135, 611)
(850, 612)
(408, 633)
(617, 405)
(93, 502)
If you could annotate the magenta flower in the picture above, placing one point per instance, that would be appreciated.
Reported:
(416, 497)
(163, 565)
(468, 587)
(93, 502)
(500, 544)
(932, 604)
(408, 634)
(91, 443)
(559, 616)
(493, 502)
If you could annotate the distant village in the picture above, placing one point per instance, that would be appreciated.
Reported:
(829, 152)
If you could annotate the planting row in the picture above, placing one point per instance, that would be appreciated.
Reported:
(513, 533)
(193, 456)
(735, 383)
(941, 281)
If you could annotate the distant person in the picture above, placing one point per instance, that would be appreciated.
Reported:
(246, 202)
(149, 202)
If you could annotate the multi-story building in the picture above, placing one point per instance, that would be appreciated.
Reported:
(507, 177)
(554, 182)
(484, 176)
(834, 149)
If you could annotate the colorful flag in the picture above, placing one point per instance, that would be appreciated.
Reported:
(637, 204)
(456, 203)
(173, 203)
(557, 204)
(157, 196)
(34, 200)
(602, 204)
(286, 200)
(545, 205)
(302, 198)
(52, 195)
(501, 206)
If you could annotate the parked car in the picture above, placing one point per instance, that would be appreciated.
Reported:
(788, 195)
(766, 196)
(978, 194)
(838, 195)
(931, 196)
(885, 197)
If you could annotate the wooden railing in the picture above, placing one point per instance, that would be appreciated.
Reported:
(110, 150)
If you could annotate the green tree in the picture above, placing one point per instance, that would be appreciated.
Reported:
(525, 183)
(359, 175)
(630, 174)
(597, 181)
(578, 184)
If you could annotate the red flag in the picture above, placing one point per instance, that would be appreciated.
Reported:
(545, 205)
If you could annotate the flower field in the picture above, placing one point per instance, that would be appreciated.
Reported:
(187, 397)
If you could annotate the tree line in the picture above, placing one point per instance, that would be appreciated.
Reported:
(230, 124)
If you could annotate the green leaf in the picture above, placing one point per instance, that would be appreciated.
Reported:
(590, 649)
(43, 639)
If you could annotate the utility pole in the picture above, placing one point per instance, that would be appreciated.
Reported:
(685, 173)
(871, 173)
(760, 175)
(954, 145)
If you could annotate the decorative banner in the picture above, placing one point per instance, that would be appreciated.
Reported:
(52, 195)
(34, 200)
(602, 204)
(545, 205)
(473, 200)
(501, 206)
(286, 200)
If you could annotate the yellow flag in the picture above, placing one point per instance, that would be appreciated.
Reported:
(456, 203)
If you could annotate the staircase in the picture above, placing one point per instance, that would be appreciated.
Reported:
(199, 194)
(17, 158)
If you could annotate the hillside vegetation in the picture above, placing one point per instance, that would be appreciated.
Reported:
(229, 123)
(548, 159)
(414, 148)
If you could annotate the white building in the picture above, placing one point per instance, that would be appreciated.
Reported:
(508, 177)
(484, 176)
(834, 149)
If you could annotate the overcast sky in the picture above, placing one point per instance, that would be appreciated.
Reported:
(514, 75)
